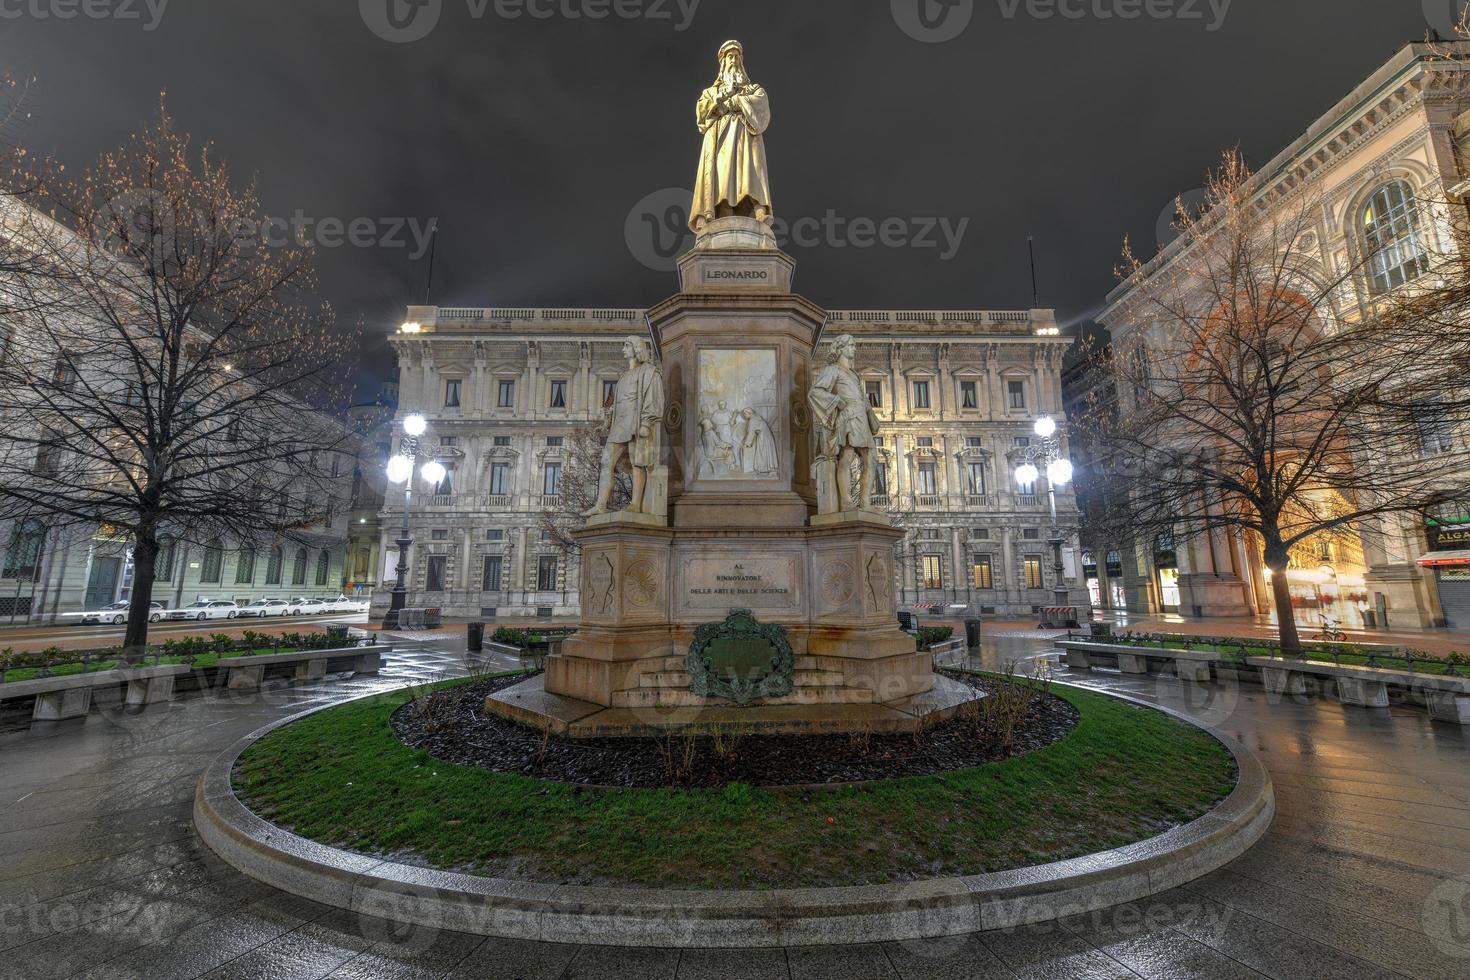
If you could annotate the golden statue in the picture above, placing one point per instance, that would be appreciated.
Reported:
(733, 114)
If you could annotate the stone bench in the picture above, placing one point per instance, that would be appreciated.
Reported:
(248, 673)
(70, 696)
(1189, 665)
(1447, 698)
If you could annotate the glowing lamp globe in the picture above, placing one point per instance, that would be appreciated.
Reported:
(1060, 473)
(1046, 427)
(434, 472)
(415, 425)
(400, 468)
(1027, 474)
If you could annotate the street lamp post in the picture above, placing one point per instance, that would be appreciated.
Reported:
(1048, 455)
(400, 470)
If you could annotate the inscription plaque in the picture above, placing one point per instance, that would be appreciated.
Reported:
(753, 583)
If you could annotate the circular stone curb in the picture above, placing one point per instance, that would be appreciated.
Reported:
(608, 916)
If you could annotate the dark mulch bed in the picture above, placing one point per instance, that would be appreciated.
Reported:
(455, 729)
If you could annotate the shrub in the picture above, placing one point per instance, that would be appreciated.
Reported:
(930, 636)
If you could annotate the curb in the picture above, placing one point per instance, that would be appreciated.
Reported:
(606, 916)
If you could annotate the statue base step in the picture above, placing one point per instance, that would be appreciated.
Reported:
(529, 703)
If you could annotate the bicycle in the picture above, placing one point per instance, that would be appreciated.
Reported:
(1330, 632)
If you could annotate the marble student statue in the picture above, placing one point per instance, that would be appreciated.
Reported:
(846, 427)
(732, 114)
(637, 423)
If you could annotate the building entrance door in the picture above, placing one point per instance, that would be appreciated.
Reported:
(102, 584)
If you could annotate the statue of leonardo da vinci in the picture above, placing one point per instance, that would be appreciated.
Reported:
(733, 115)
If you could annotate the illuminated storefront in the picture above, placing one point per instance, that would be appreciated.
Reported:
(1449, 558)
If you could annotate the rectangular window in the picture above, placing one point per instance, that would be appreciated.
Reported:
(298, 568)
(438, 535)
(555, 442)
(1026, 489)
(974, 442)
(63, 374)
(323, 568)
(976, 474)
(875, 393)
(451, 393)
(1032, 568)
(1023, 442)
(551, 480)
(921, 394)
(933, 567)
(558, 394)
(969, 395)
(1031, 534)
(245, 567)
(502, 441)
(210, 568)
(546, 573)
(880, 479)
(984, 572)
(609, 392)
(499, 479)
(438, 566)
(445, 487)
(23, 556)
(1433, 423)
(1017, 391)
(48, 460)
(924, 442)
(163, 563)
(507, 396)
(491, 577)
(445, 442)
(928, 479)
(273, 567)
(495, 534)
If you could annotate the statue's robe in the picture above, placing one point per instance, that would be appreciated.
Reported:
(638, 404)
(844, 419)
(732, 166)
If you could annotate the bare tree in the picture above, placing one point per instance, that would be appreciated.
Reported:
(1256, 399)
(580, 481)
(162, 373)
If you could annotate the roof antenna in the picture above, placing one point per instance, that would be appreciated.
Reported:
(433, 248)
(1035, 292)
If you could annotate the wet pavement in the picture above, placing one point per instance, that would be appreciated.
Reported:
(1366, 872)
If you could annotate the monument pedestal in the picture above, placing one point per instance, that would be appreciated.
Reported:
(821, 645)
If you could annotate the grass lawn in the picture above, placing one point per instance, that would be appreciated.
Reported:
(1124, 774)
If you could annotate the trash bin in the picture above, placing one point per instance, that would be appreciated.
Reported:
(477, 638)
(972, 633)
(1370, 619)
(906, 621)
(339, 634)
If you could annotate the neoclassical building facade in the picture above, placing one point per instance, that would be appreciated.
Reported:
(507, 392)
(1390, 165)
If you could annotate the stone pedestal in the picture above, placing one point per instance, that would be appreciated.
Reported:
(1216, 596)
(61, 705)
(1447, 706)
(736, 347)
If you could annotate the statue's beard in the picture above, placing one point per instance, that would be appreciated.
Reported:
(733, 79)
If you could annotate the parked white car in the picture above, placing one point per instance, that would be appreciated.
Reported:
(206, 609)
(116, 614)
(265, 607)
(305, 606)
(345, 604)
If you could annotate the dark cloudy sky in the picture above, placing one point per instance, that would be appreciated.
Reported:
(534, 140)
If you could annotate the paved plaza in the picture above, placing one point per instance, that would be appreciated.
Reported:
(101, 874)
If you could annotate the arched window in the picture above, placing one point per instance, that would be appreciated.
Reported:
(298, 568)
(323, 565)
(214, 557)
(1392, 237)
(273, 566)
